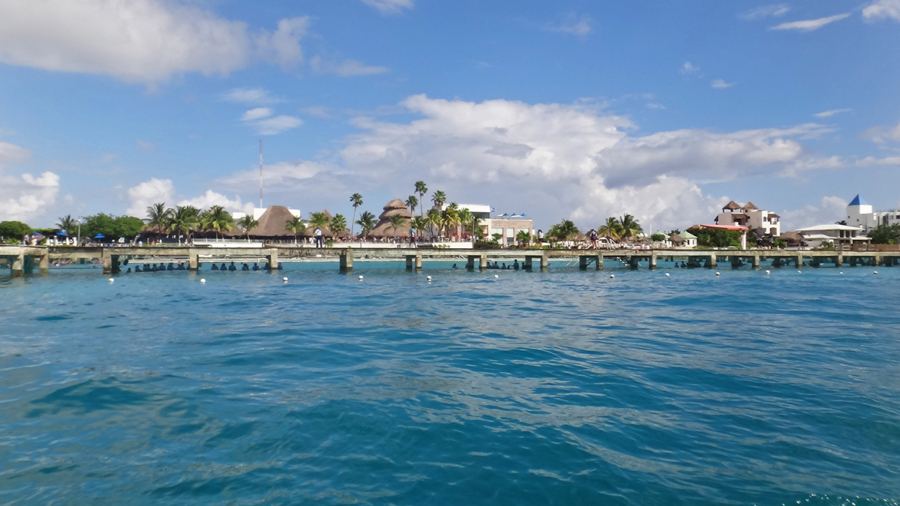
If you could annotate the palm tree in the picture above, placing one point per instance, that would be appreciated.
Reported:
(421, 189)
(66, 224)
(295, 226)
(356, 200)
(183, 220)
(338, 224)
(435, 218)
(319, 220)
(465, 217)
(564, 230)
(611, 228)
(419, 224)
(439, 198)
(248, 223)
(218, 219)
(397, 221)
(451, 216)
(630, 227)
(367, 222)
(158, 215)
(524, 237)
(411, 203)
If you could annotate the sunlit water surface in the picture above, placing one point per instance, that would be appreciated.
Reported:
(565, 387)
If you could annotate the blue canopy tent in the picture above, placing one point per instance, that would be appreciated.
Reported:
(99, 236)
(62, 233)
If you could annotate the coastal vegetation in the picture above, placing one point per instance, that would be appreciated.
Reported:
(357, 200)
(13, 231)
(367, 221)
(296, 227)
(624, 228)
(338, 224)
(247, 223)
(885, 234)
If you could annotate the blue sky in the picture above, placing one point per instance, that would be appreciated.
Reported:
(578, 109)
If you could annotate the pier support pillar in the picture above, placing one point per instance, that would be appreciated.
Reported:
(44, 263)
(599, 266)
(470, 262)
(107, 264)
(712, 260)
(346, 261)
(583, 262)
(545, 261)
(272, 258)
(876, 259)
(756, 261)
(527, 265)
(17, 265)
(799, 261)
(483, 262)
(418, 262)
(193, 261)
(653, 261)
(839, 261)
(633, 262)
(409, 262)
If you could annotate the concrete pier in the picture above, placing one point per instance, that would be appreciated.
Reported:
(346, 261)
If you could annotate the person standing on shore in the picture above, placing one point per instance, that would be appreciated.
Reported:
(593, 235)
(540, 235)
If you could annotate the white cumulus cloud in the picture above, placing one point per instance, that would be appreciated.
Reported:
(720, 84)
(137, 40)
(256, 113)
(830, 210)
(389, 6)
(26, 197)
(575, 25)
(211, 198)
(809, 25)
(277, 124)
(12, 153)
(259, 96)
(882, 135)
(765, 11)
(349, 68)
(881, 9)
(830, 113)
(146, 194)
(871, 160)
(564, 160)
(689, 69)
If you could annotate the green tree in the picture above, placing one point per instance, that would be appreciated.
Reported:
(465, 218)
(295, 226)
(397, 221)
(319, 220)
(630, 227)
(524, 237)
(419, 224)
(451, 217)
(883, 234)
(67, 224)
(184, 220)
(158, 215)
(99, 224)
(564, 231)
(14, 231)
(658, 236)
(367, 221)
(247, 223)
(411, 203)
(217, 219)
(127, 226)
(610, 229)
(421, 189)
(717, 238)
(356, 200)
(435, 219)
(338, 224)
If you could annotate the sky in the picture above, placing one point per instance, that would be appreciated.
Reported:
(560, 110)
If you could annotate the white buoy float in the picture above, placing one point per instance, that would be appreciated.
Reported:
(876, 272)
(717, 274)
(842, 273)
(799, 272)
(284, 279)
(496, 276)
(111, 280)
(202, 280)
(611, 276)
(428, 278)
(667, 274)
(768, 272)
(360, 277)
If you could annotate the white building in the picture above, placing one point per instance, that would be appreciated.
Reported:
(861, 214)
(751, 217)
(507, 225)
(834, 233)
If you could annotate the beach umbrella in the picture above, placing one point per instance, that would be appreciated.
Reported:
(99, 236)
(62, 233)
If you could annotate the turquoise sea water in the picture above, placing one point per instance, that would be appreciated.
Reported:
(564, 387)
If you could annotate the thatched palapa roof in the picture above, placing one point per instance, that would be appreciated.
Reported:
(271, 223)
(732, 206)
(750, 207)
(676, 239)
(395, 207)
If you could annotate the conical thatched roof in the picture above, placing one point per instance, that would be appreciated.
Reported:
(750, 207)
(792, 237)
(395, 207)
(732, 206)
(676, 239)
(272, 222)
